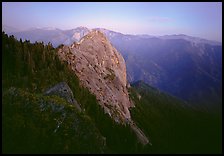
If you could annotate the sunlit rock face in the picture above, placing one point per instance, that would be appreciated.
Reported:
(101, 69)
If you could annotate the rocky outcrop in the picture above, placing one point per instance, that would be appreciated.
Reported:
(140, 135)
(63, 90)
(100, 68)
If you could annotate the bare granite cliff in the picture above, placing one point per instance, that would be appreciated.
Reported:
(101, 69)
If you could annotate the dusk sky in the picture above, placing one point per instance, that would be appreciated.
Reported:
(154, 18)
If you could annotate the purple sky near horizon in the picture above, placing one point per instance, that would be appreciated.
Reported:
(199, 19)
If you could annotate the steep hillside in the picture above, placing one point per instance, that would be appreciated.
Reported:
(33, 123)
(172, 126)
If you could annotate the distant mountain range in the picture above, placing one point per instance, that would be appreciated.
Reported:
(194, 40)
(187, 67)
(53, 35)
(57, 36)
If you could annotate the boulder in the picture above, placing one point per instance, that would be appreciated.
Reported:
(63, 90)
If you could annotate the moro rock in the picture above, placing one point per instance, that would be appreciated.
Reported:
(101, 69)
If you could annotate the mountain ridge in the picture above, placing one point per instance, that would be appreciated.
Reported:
(19, 34)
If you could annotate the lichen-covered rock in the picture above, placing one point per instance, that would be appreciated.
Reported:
(100, 68)
(63, 90)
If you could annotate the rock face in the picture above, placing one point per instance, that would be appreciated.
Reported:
(102, 70)
(63, 90)
(140, 135)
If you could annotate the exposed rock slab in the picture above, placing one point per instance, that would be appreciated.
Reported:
(63, 90)
(100, 68)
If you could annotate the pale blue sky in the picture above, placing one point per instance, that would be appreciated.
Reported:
(153, 18)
